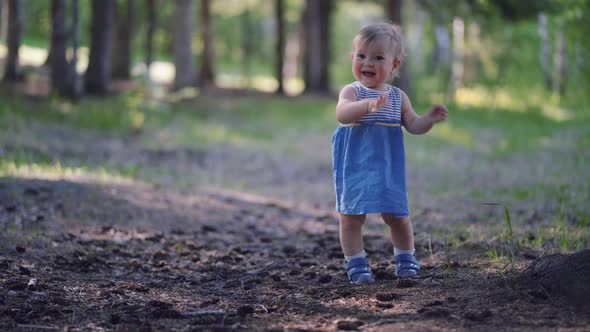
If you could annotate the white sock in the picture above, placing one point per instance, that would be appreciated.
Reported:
(397, 251)
(361, 254)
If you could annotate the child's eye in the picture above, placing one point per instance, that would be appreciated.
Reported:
(360, 56)
(380, 58)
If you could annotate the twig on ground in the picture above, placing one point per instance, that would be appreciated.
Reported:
(38, 327)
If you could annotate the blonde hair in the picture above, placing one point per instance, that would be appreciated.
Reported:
(374, 34)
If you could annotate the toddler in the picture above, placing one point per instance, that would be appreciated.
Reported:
(368, 151)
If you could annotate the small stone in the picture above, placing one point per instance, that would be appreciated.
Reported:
(326, 278)
(245, 310)
(349, 325)
(24, 271)
(32, 285)
(406, 283)
(383, 305)
(478, 315)
(289, 250)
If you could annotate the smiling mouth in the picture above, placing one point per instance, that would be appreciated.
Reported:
(368, 74)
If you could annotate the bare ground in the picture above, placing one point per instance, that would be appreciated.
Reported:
(83, 254)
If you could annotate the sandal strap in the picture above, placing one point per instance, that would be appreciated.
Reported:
(357, 266)
(407, 262)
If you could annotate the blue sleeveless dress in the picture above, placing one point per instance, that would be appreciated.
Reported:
(368, 160)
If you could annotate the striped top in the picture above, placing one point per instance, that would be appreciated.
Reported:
(390, 113)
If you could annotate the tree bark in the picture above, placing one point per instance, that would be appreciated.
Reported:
(402, 80)
(98, 74)
(294, 50)
(51, 49)
(560, 62)
(545, 50)
(441, 56)
(458, 55)
(183, 56)
(64, 77)
(207, 78)
(317, 46)
(15, 23)
(149, 34)
(247, 46)
(3, 19)
(75, 88)
(124, 25)
(280, 44)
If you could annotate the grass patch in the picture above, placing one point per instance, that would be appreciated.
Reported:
(27, 165)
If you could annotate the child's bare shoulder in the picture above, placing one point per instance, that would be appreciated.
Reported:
(348, 92)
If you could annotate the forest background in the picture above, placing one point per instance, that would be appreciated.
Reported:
(112, 112)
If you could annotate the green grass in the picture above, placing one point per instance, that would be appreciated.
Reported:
(493, 137)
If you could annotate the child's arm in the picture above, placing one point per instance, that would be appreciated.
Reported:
(416, 124)
(349, 109)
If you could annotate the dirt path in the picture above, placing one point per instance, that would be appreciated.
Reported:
(80, 254)
(130, 257)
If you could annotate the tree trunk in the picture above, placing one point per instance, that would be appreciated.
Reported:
(149, 34)
(441, 56)
(247, 46)
(415, 39)
(458, 56)
(317, 46)
(293, 52)
(560, 62)
(75, 88)
(51, 49)
(545, 51)
(402, 80)
(3, 19)
(183, 56)
(15, 23)
(207, 78)
(280, 45)
(124, 23)
(64, 77)
(98, 74)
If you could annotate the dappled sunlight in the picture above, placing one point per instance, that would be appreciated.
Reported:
(57, 171)
(557, 113)
(448, 133)
(194, 134)
(480, 97)
(28, 56)
(162, 72)
(36, 57)
(506, 100)
(185, 93)
(264, 83)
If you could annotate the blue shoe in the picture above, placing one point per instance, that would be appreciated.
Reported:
(406, 266)
(358, 271)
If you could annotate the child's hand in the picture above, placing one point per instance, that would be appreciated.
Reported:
(377, 103)
(438, 113)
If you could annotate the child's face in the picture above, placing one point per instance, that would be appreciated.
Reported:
(373, 66)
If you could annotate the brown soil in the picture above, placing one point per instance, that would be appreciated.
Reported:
(129, 257)
(86, 255)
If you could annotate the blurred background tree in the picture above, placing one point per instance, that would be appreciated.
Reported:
(454, 47)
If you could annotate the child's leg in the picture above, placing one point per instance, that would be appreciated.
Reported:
(401, 230)
(351, 233)
(351, 240)
(402, 236)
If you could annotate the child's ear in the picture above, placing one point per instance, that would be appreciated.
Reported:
(396, 64)
(351, 55)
